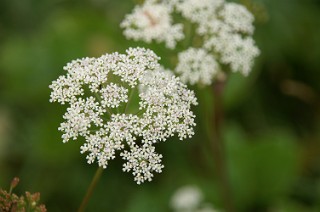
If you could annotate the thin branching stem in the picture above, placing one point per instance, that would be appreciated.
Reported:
(129, 99)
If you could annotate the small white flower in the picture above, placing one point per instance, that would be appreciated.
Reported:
(235, 51)
(142, 161)
(237, 17)
(132, 66)
(64, 89)
(152, 21)
(112, 95)
(197, 66)
(198, 11)
(163, 108)
(187, 198)
(80, 117)
(190, 199)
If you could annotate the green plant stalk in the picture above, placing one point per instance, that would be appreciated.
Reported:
(93, 184)
(218, 147)
(130, 97)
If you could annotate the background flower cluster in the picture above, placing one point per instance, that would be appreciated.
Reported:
(223, 29)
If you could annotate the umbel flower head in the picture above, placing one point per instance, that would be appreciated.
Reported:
(125, 103)
(223, 29)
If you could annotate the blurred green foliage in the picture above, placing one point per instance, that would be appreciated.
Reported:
(271, 128)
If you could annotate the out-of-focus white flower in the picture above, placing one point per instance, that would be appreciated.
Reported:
(237, 17)
(228, 17)
(152, 21)
(234, 50)
(226, 34)
(198, 11)
(98, 91)
(190, 199)
(187, 198)
(225, 30)
(196, 66)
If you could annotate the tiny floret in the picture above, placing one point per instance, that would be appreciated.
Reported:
(123, 103)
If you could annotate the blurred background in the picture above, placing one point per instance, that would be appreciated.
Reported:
(272, 118)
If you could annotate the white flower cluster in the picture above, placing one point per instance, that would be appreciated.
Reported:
(190, 199)
(197, 66)
(99, 90)
(152, 21)
(234, 50)
(225, 30)
(198, 11)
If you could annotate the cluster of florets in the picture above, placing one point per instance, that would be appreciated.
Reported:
(225, 30)
(152, 21)
(197, 66)
(123, 102)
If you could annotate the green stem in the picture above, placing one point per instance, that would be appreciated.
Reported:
(218, 147)
(129, 99)
(140, 112)
(189, 37)
(108, 111)
(93, 184)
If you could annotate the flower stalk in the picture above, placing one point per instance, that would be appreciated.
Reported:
(92, 186)
(218, 146)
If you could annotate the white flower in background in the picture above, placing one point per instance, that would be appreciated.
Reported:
(99, 90)
(237, 17)
(198, 11)
(152, 21)
(187, 198)
(190, 199)
(226, 33)
(225, 30)
(196, 66)
(234, 50)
